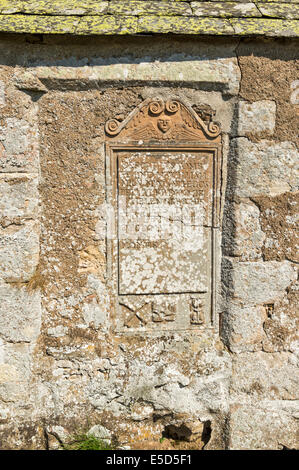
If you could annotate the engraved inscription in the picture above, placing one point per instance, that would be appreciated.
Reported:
(164, 213)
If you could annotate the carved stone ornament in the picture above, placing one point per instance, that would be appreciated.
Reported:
(155, 119)
(196, 315)
(163, 312)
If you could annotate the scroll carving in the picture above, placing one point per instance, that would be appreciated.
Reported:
(155, 119)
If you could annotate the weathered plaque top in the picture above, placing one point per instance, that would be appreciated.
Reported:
(155, 119)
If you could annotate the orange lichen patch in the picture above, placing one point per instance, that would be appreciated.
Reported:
(91, 260)
(270, 74)
(279, 221)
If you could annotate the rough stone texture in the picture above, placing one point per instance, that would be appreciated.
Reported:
(19, 251)
(182, 25)
(149, 8)
(62, 366)
(265, 376)
(20, 314)
(269, 164)
(14, 373)
(265, 27)
(261, 282)
(245, 237)
(225, 9)
(279, 220)
(284, 10)
(257, 118)
(18, 150)
(2, 93)
(250, 424)
(272, 77)
(101, 433)
(242, 327)
(18, 196)
(281, 325)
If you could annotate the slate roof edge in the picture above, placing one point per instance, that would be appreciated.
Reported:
(136, 17)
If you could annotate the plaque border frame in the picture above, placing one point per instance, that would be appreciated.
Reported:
(111, 148)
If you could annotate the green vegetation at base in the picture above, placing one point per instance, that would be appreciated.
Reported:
(87, 442)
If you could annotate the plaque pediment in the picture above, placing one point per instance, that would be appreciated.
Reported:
(156, 120)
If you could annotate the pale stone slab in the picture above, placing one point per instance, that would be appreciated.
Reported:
(242, 234)
(19, 251)
(256, 428)
(18, 146)
(20, 313)
(223, 72)
(265, 167)
(261, 282)
(265, 375)
(18, 195)
(14, 136)
(242, 327)
(14, 372)
(256, 118)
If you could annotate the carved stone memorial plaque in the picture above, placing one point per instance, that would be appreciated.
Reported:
(163, 164)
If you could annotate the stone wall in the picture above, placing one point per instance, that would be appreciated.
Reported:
(63, 367)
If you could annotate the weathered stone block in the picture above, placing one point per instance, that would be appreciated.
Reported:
(38, 24)
(279, 221)
(20, 314)
(65, 8)
(257, 428)
(264, 167)
(222, 73)
(14, 136)
(282, 322)
(265, 376)
(107, 24)
(242, 234)
(101, 433)
(18, 196)
(18, 146)
(242, 327)
(19, 251)
(256, 118)
(261, 282)
(14, 372)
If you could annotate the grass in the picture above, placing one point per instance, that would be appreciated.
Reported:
(87, 442)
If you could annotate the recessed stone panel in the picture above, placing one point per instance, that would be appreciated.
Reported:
(165, 201)
(164, 170)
